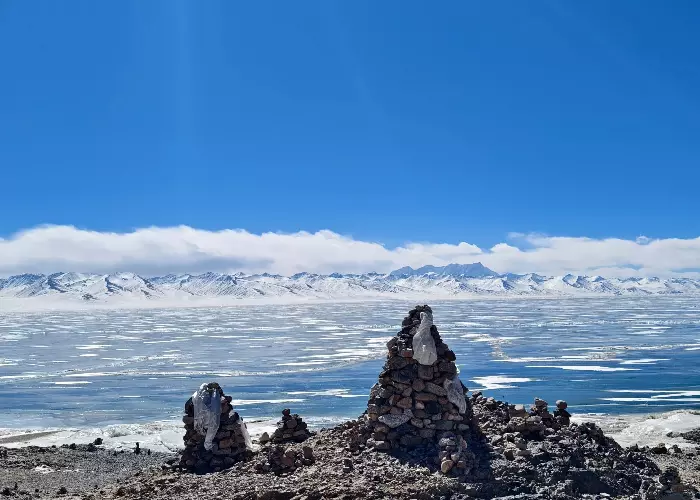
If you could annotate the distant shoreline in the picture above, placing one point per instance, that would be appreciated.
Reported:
(56, 304)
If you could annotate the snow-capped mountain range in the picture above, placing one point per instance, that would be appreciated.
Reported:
(454, 280)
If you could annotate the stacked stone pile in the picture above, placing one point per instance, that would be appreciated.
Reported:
(539, 413)
(419, 400)
(229, 443)
(291, 428)
(279, 460)
(586, 461)
(561, 415)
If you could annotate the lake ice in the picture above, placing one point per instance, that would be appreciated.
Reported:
(125, 374)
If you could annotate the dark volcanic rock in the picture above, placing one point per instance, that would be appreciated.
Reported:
(693, 436)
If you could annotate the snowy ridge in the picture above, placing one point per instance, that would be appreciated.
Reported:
(454, 280)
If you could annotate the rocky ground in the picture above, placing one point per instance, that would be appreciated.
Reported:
(65, 472)
(576, 462)
(688, 464)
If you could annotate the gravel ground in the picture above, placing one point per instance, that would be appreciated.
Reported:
(688, 465)
(43, 472)
(98, 474)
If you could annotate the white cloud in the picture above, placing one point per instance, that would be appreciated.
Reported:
(185, 249)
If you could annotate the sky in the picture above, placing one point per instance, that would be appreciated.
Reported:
(552, 136)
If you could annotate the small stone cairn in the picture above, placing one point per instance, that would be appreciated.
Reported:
(419, 400)
(290, 429)
(229, 444)
(562, 416)
(279, 460)
(537, 422)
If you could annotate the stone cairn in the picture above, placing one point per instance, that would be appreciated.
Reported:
(290, 429)
(418, 403)
(279, 460)
(562, 416)
(229, 443)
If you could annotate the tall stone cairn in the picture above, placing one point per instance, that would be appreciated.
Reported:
(229, 443)
(418, 402)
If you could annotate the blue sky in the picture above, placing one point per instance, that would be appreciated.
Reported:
(390, 121)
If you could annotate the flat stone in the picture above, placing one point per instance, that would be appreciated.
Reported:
(378, 427)
(447, 367)
(425, 396)
(385, 392)
(396, 363)
(435, 389)
(394, 421)
(398, 387)
(418, 385)
(425, 372)
(447, 442)
(417, 422)
(446, 466)
(401, 377)
(405, 403)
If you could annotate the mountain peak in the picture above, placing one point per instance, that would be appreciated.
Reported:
(453, 280)
(474, 270)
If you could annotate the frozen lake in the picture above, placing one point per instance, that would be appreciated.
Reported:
(93, 369)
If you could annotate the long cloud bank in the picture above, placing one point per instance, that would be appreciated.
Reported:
(156, 250)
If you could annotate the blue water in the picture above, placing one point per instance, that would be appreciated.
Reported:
(100, 367)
